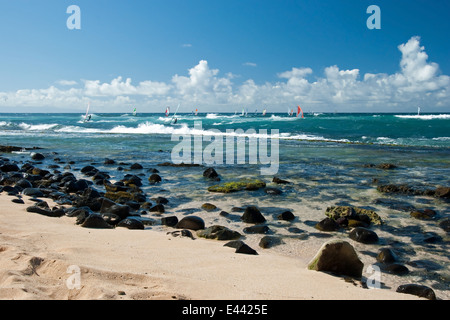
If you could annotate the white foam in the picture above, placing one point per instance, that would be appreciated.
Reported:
(424, 117)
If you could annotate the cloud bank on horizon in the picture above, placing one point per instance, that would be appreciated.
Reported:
(418, 82)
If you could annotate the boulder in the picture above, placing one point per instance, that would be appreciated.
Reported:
(37, 156)
(279, 181)
(244, 184)
(270, 241)
(211, 173)
(273, 191)
(426, 214)
(445, 224)
(191, 222)
(363, 235)
(159, 208)
(442, 192)
(218, 233)
(338, 257)
(355, 213)
(262, 229)
(154, 178)
(131, 223)
(417, 290)
(240, 247)
(208, 207)
(95, 221)
(327, 224)
(252, 215)
(169, 221)
(386, 255)
(136, 166)
(33, 192)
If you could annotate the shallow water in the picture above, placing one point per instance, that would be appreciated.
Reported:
(322, 174)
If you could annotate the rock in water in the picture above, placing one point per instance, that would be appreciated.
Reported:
(417, 290)
(363, 235)
(327, 224)
(338, 257)
(211, 173)
(386, 255)
(252, 215)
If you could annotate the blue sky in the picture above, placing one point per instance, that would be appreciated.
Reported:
(222, 55)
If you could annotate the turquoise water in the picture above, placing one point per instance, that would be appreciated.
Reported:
(325, 156)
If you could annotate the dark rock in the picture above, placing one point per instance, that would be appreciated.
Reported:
(240, 247)
(363, 235)
(131, 223)
(169, 221)
(19, 201)
(295, 230)
(24, 183)
(121, 211)
(252, 215)
(386, 255)
(396, 268)
(442, 192)
(417, 290)
(270, 241)
(352, 223)
(279, 181)
(87, 169)
(109, 161)
(208, 207)
(218, 233)
(356, 213)
(95, 221)
(136, 166)
(338, 257)
(182, 233)
(46, 212)
(445, 224)
(261, 229)
(272, 191)
(211, 173)
(9, 167)
(37, 156)
(426, 214)
(154, 178)
(160, 200)
(191, 222)
(157, 208)
(327, 224)
(33, 192)
(386, 166)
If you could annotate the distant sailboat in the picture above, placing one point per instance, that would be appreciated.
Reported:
(87, 117)
(196, 111)
(167, 111)
(134, 112)
(264, 112)
(299, 110)
(243, 112)
(418, 111)
(290, 112)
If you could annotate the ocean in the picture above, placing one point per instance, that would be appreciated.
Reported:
(330, 159)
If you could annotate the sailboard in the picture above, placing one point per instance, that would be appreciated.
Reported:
(264, 112)
(299, 110)
(167, 111)
(196, 111)
(134, 112)
(174, 118)
(418, 111)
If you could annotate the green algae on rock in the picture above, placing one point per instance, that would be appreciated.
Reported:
(235, 186)
(356, 213)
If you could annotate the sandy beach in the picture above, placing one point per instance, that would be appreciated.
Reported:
(38, 255)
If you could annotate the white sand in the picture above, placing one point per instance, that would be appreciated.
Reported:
(36, 251)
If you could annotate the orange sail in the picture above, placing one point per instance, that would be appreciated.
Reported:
(299, 110)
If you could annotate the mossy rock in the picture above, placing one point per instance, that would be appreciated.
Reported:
(355, 213)
(219, 233)
(235, 186)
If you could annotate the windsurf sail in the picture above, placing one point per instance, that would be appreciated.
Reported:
(134, 112)
(196, 111)
(243, 111)
(299, 110)
(264, 112)
(167, 111)
(418, 111)
(174, 119)
(87, 117)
